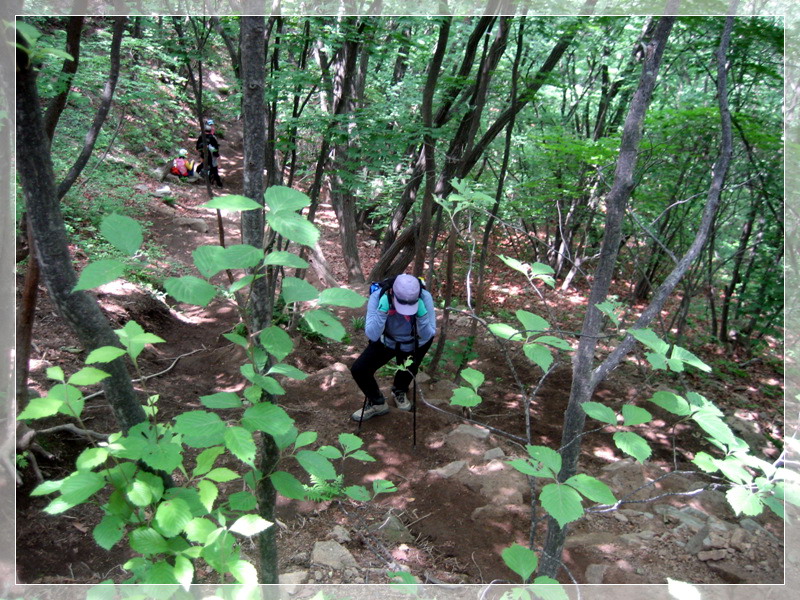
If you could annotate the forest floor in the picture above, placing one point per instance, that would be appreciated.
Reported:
(458, 507)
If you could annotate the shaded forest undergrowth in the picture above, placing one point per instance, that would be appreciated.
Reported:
(451, 533)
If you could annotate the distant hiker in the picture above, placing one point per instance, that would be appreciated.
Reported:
(210, 123)
(209, 139)
(181, 165)
(400, 323)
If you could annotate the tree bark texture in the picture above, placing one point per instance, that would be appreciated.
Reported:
(59, 102)
(79, 309)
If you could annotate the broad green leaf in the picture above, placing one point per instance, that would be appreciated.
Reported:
(183, 571)
(714, 426)
(383, 486)
(277, 342)
(538, 355)
(221, 400)
(330, 452)
(600, 412)
(172, 516)
(521, 560)
(546, 456)
(532, 323)
(341, 297)
(81, 485)
(287, 371)
(594, 489)
(547, 588)
(562, 503)
(242, 283)
(683, 355)
(243, 501)
(465, 396)
(473, 377)
(671, 403)
(237, 339)
(241, 256)
(243, 572)
(267, 417)
(315, 464)
(294, 228)
(287, 438)
(279, 198)
(56, 373)
(650, 339)
(775, 505)
(124, 233)
(744, 502)
(147, 541)
(361, 455)
(249, 525)
(552, 340)
(99, 272)
(358, 493)
(47, 487)
(108, 531)
(190, 496)
(88, 376)
(266, 383)
(733, 468)
(139, 493)
(526, 468)
(232, 202)
(208, 493)
(633, 444)
(104, 354)
(657, 361)
(190, 289)
(322, 322)
(91, 458)
(40, 407)
(287, 485)
(609, 309)
(635, 415)
(72, 397)
(200, 428)
(506, 332)
(206, 459)
(298, 290)
(306, 438)
(280, 258)
(208, 260)
(240, 442)
(134, 338)
(350, 442)
(222, 475)
(515, 264)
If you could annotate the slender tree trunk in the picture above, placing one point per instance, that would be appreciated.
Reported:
(59, 102)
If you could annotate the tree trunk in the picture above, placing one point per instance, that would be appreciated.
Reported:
(79, 309)
(59, 102)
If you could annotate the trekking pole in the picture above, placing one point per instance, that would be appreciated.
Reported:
(414, 377)
(361, 418)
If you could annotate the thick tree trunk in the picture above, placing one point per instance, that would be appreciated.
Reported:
(79, 309)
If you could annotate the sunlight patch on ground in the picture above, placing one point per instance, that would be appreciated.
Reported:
(605, 453)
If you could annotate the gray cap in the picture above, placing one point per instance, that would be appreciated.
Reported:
(406, 291)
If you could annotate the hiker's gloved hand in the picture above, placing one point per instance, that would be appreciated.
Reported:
(421, 310)
(383, 304)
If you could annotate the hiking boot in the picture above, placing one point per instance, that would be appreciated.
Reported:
(400, 399)
(371, 410)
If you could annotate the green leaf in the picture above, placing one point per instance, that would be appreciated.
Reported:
(81, 485)
(232, 202)
(552, 340)
(562, 503)
(72, 397)
(358, 493)
(222, 475)
(298, 290)
(56, 373)
(383, 486)
(683, 355)
(361, 455)
(705, 462)
(208, 493)
(594, 489)
(745, 502)
(99, 272)
(322, 322)
(208, 260)
(657, 361)
(547, 588)
(243, 572)
(124, 233)
(243, 282)
(148, 541)
(515, 264)
(183, 571)
(315, 464)
(350, 442)
(205, 460)
(635, 415)
(277, 342)
(532, 323)
(108, 531)
(172, 516)
(200, 429)
(341, 297)
(91, 458)
(240, 442)
(714, 426)
(650, 339)
(47, 487)
(521, 560)
(104, 354)
(306, 438)
(221, 400)
(465, 396)
(633, 444)
(267, 417)
(279, 258)
(330, 452)
(733, 468)
(609, 309)
(268, 384)
(600, 412)
(473, 377)
(279, 198)
(287, 371)
(671, 403)
(526, 468)
(243, 501)
(294, 228)
(134, 338)
(538, 355)
(88, 376)
(775, 505)
(506, 332)
(241, 256)
(546, 456)
(287, 485)
(190, 289)
(250, 525)
(39, 408)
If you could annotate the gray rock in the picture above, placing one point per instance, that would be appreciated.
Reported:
(198, 225)
(621, 517)
(449, 470)
(164, 190)
(392, 529)
(670, 513)
(707, 555)
(339, 534)
(728, 572)
(493, 454)
(332, 554)
(290, 581)
(695, 543)
(423, 378)
(471, 430)
(440, 392)
(595, 573)
(740, 539)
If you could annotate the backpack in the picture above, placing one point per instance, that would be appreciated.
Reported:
(386, 284)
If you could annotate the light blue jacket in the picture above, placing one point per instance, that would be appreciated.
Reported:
(393, 328)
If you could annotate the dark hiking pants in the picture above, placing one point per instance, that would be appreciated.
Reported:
(375, 356)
